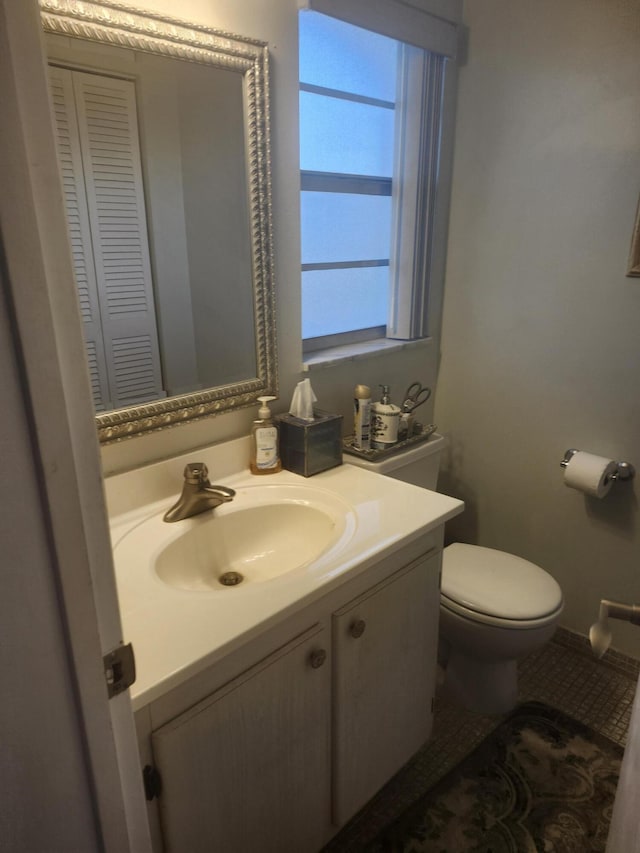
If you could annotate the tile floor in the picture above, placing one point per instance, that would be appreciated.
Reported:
(564, 674)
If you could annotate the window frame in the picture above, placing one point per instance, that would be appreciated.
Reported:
(422, 156)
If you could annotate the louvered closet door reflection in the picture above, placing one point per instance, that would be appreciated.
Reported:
(112, 177)
(70, 161)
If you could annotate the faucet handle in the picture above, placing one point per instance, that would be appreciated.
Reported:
(196, 473)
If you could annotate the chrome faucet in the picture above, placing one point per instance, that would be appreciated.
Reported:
(198, 495)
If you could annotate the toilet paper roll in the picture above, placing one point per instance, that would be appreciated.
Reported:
(590, 474)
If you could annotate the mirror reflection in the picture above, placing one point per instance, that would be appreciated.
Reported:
(168, 221)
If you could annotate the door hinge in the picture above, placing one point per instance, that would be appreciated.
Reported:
(119, 669)
(152, 782)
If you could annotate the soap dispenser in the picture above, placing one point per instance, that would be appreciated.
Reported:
(265, 456)
(385, 417)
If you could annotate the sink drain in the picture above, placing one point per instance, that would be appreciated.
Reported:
(231, 578)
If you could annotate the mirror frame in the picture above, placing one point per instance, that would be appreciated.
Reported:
(634, 253)
(108, 22)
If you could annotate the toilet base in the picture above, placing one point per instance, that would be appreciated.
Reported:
(481, 686)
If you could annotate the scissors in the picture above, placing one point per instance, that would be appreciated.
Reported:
(415, 396)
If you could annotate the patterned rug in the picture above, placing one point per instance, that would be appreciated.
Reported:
(539, 782)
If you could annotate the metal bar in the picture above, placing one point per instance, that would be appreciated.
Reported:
(347, 96)
(345, 265)
(333, 182)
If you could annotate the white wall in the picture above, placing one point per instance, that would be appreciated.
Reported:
(541, 335)
(274, 21)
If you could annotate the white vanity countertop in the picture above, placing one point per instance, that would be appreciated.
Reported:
(177, 633)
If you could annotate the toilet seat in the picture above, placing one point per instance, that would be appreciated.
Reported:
(492, 587)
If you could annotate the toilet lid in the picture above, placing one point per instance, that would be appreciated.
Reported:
(497, 584)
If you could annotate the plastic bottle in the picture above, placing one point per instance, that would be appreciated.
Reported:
(361, 416)
(385, 417)
(265, 455)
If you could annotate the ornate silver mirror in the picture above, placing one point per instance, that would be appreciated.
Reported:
(163, 141)
(634, 253)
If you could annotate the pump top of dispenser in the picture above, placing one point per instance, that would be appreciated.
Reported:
(386, 395)
(264, 411)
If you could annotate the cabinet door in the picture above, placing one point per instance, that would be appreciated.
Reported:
(247, 769)
(385, 649)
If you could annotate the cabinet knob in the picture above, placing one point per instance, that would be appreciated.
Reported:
(357, 628)
(317, 658)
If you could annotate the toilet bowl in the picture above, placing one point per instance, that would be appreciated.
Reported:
(494, 607)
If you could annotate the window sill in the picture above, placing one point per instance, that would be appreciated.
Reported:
(335, 356)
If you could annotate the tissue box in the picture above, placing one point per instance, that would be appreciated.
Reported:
(309, 447)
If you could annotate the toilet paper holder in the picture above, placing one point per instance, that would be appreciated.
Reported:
(625, 470)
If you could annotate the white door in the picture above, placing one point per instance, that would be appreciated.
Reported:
(99, 152)
(55, 499)
(624, 833)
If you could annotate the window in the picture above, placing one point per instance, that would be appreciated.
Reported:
(348, 81)
(370, 129)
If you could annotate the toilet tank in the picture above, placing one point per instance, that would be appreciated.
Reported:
(417, 464)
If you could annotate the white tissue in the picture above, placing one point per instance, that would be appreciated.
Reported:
(590, 474)
(302, 401)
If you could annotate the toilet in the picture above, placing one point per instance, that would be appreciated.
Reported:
(494, 607)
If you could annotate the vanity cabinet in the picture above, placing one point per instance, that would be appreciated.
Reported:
(384, 679)
(247, 769)
(279, 754)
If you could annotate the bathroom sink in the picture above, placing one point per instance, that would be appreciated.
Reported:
(264, 533)
(252, 544)
(294, 540)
